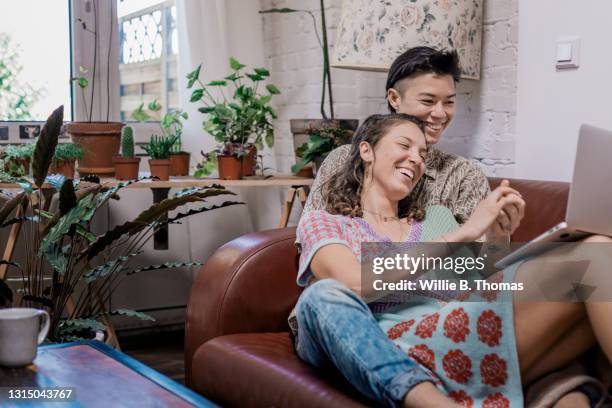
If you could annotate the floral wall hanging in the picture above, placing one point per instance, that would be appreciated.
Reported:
(372, 33)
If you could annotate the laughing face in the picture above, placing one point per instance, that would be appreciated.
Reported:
(397, 162)
(430, 97)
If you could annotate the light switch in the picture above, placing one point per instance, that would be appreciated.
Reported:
(568, 53)
(564, 52)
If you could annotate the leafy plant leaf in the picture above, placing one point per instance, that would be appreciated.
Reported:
(273, 89)
(165, 265)
(235, 65)
(132, 313)
(38, 299)
(279, 10)
(103, 270)
(196, 95)
(139, 114)
(193, 76)
(67, 197)
(149, 216)
(206, 109)
(262, 72)
(77, 325)
(45, 146)
(216, 83)
(270, 137)
(191, 212)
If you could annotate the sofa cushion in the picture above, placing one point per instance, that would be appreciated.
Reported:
(262, 370)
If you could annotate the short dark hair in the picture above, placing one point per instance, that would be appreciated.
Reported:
(342, 192)
(422, 60)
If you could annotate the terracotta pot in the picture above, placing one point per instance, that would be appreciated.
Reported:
(300, 127)
(23, 161)
(160, 169)
(100, 142)
(64, 167)
(179, 164)
(126, 168)
(230, 167)
(250, 160)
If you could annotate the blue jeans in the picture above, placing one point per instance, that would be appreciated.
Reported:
(336, 327)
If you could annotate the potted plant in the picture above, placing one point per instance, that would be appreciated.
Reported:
(99, 139)
(71, 271)
(159, 149)
(171, 124)
(302, 128)
(322, 140)
(126, 165)
(238, 117)
(17, 159)
(64, 159)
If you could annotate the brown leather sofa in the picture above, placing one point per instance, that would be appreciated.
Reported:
(238, 351)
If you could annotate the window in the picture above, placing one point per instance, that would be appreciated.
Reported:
(147, 54)
(34, 67)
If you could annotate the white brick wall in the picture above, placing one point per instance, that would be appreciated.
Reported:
(485, 122)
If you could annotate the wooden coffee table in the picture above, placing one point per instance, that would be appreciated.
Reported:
(100, 376)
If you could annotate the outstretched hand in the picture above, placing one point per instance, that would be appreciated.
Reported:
(498, 215)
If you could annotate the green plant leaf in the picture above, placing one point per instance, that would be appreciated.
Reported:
(83, 70)
(254, 77)
(154, 106)
(82, 82)
(233, 77)
(74, 216)
(217, 83)
(196, 95)
(103, 270)
(279, 10)
(11, 263)
(235, 65)
(165, 265)
(262, 72)
(206, 109)
(148, 217)
(269, 137)
(139, 114)
(76, 325)
(56, 259)
(67, 197)
(273, 89)
(265, 99)
(193, 76)
(132, 313)
(191, 212)
(45, 146)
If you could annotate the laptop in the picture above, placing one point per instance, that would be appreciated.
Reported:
(589, 207)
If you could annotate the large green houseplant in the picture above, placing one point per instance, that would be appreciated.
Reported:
(304, 129)
(68, 269)
(238, 117)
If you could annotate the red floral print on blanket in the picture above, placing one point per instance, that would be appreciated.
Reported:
(462, 398)
(456, 325)
(496, 400)
(493, 370)
(396, 331)
(424, 355)
(458, 366)
(427, 326)
(489, 328)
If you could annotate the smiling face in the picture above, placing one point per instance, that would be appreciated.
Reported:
(430, 97)
(397, 161)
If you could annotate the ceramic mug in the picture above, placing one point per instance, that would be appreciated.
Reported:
(21, 331)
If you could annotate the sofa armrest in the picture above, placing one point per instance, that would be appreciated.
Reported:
(247, 285)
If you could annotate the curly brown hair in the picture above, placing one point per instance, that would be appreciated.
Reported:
(342, 193)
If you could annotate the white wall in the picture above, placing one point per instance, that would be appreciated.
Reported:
(483, 128)
(552, 104)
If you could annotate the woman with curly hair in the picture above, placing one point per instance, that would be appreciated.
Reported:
(427, 353)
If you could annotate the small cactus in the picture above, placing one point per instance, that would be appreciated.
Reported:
(127, 143)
